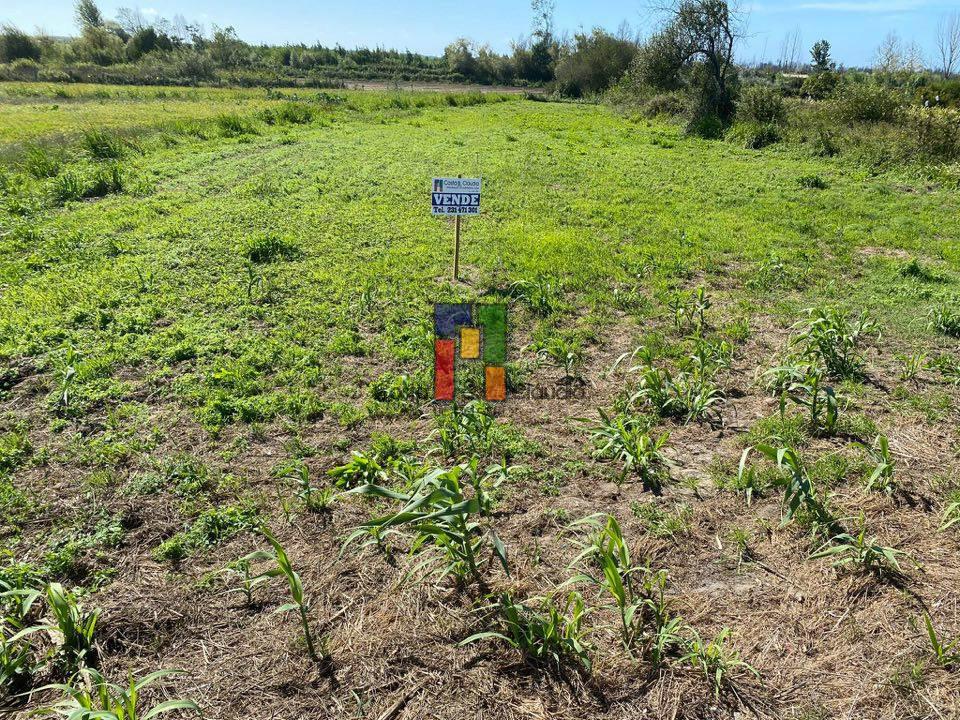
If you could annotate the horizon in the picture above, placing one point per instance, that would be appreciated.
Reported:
(854, 28)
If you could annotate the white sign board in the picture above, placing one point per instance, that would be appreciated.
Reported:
(455, 196)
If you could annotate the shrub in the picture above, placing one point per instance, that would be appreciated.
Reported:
(664, 104)
(762, 105)
(757, 136)
(707, 126)
(102, 145)
(932, 135)
(597, 62)
(289, 113)
(17, 45)
(41, 163)
(232, 125)
(868, 103)
(821, 85)
(265, 247)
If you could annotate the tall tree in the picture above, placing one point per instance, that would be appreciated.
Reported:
(820, 55)
(87, 14)
(948, 42)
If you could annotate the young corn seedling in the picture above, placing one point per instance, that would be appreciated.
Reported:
(798, 488)
(911, 366)
(441, 516)
(89, 696)
(300, 602)
(946, 321)
(716, 660)
(805, 386)
(867, 553)
(624, 439)
(242, 570)
(951, 513)
(829, 338)
(687, 395)
(881, 479)
(67, 376)
(465, 430)
(701, 303)
(947, 654)
(563, 354)
(606, 551)
(16, 658)
(546, 632)
(75, 626)
(363, 469)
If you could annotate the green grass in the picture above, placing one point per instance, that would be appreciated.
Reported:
(197, 290)
(341, 206)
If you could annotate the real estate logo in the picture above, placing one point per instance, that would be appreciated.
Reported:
(480, 333)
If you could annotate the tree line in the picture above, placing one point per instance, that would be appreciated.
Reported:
(691, 50)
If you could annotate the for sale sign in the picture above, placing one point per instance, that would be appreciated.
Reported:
(455, 196)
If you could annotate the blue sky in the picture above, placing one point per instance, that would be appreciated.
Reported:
(853, 27)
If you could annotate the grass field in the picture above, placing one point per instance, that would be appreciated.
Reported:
(211, 299)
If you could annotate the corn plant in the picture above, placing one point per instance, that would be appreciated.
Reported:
(637, 593)
(67, 375)
(625, 440)
(951, 513)
(363, 469)
(16, 658)
(90, 696)
(691, 395)
(946, 321)
(253, 283)
(828, 337)
(563, 354)
(881, 478)
(804, 385)
(545, 631)
(242, 570)
(466, 430)
(798, 488)
(689, 310)
(911, 366)
(441, 516)
(76, 626)
(541, 294)
(716, 660)
(607, 551)
(300, 602)
(947, 654)
(867, 553)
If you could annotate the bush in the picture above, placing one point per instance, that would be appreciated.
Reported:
(762, 105)
(597, 62)
(664, 104)
(756, 136)
(17, 45)
(264, 247)
(868, 103)
(821, 85)
(289, 113)
(707, 126)
(232, 125)
(932, 135)
(103, 145)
